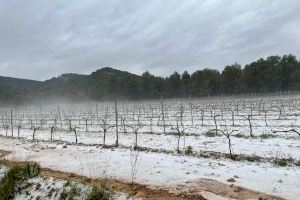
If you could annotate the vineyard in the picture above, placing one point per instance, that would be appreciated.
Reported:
(258, 134)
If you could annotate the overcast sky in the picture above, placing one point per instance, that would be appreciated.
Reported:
(40, 39)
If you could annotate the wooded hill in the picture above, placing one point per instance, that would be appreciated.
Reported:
(272, 74)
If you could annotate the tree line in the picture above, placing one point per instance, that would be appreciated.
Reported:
(271, 74)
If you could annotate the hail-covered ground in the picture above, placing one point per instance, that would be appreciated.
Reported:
(3, 171)
(170, 144)
(52, 189)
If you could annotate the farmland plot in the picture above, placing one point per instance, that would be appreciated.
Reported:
(254, 141)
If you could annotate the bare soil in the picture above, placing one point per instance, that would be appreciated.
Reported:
(202, 189)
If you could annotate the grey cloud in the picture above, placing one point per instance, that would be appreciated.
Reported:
(40, 39)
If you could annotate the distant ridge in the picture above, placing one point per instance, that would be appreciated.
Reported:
(69, 86)
(273, 74)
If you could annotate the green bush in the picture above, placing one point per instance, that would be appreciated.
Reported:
(282, 162)
(210, 134)
(15, 175)
(266, 136)
(101, 193)
(189, 150)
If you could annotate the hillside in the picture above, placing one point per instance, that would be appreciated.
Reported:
(101, 84)
(16, 90)
(273, 74)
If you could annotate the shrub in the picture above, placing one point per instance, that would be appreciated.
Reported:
(266, 136)
(64, 194)
(239, 135)
(51, 192)
(189, 150)
(15, 175)
(210, 134)
(101, 192)
(282, 162)
(73, 192)
(251, 158)
(70, 191)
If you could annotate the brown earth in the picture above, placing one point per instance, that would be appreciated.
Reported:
(4, 153)
(213, 188)
(203, 189)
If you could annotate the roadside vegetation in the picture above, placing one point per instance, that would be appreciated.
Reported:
(24, 180)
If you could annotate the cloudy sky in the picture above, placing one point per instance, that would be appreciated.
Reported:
(40, 39)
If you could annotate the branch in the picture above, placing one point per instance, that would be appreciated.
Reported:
(286, 131)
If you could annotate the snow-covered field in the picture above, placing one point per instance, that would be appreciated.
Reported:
(155, 169)
(261, 126)
(269, 147)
